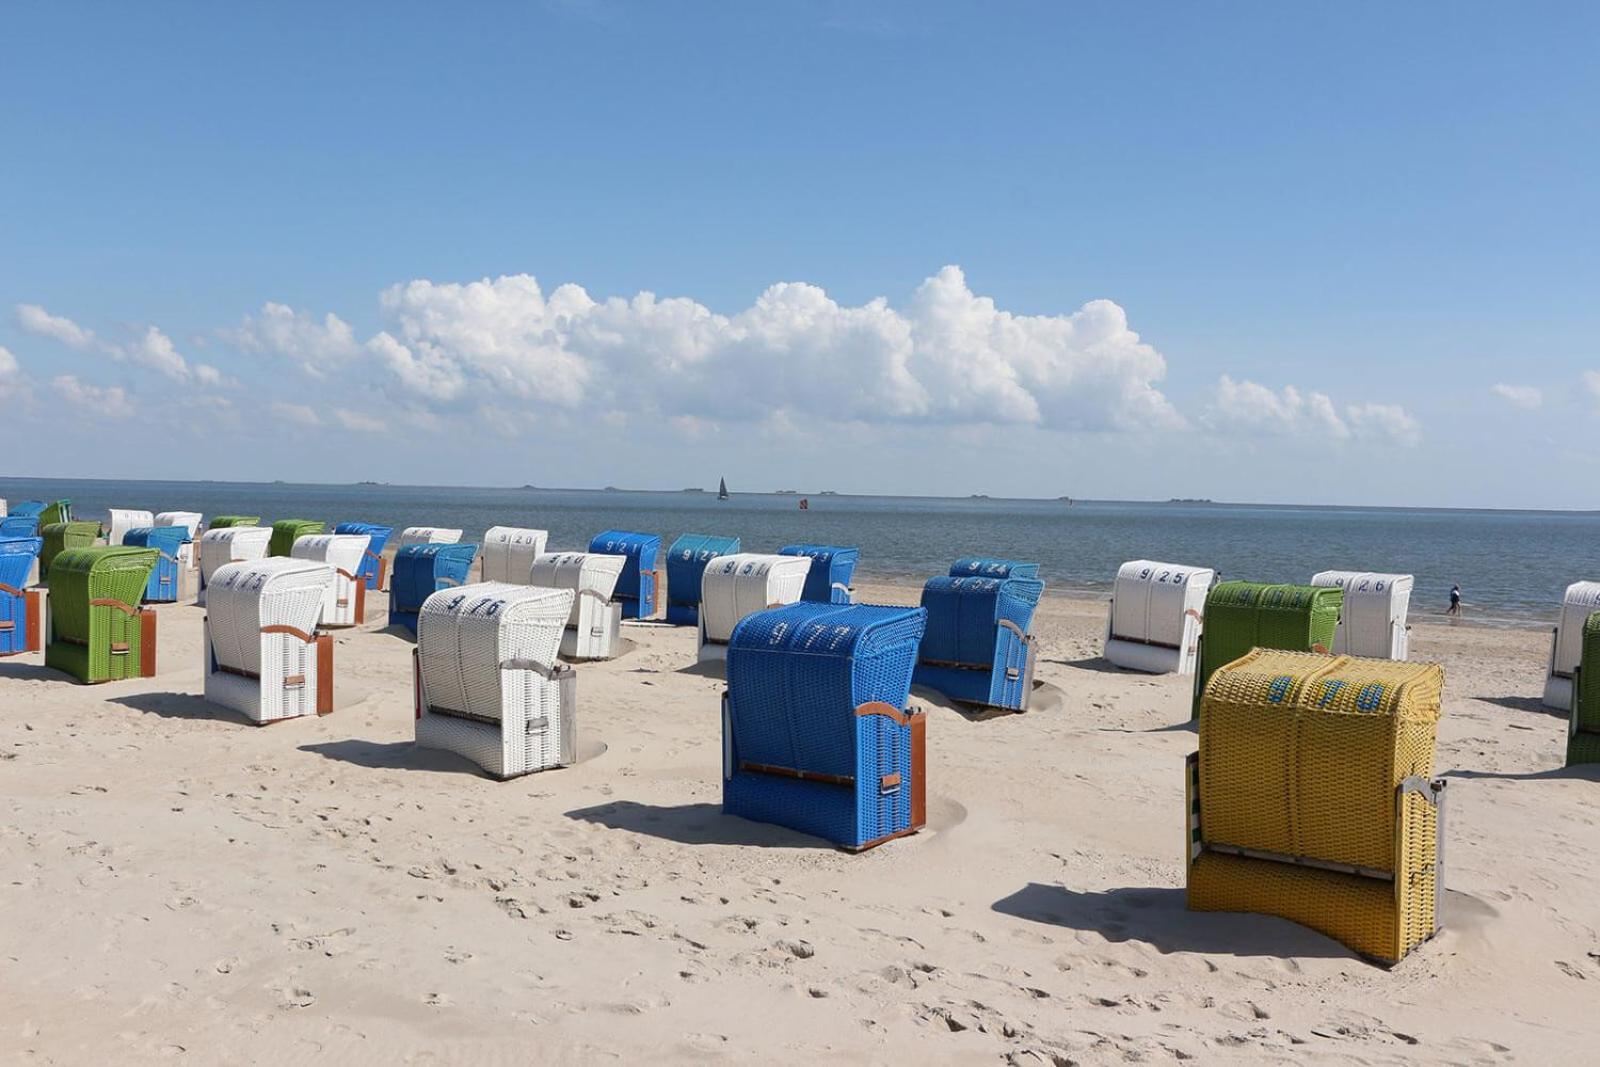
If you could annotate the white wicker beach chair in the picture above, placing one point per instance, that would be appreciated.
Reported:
(489, 686)
(1566, 643)
(732, 587)
(428, 535)
(122, 520)
(189, 520)
(1372, 621)
(509, 552)
(263, 655)
(346, 600)
(595, 619)
(1157, 611)
(231, 544)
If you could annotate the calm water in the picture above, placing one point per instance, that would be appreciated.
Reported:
(1512, 566)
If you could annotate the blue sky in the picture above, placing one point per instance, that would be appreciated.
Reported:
(1333, 229)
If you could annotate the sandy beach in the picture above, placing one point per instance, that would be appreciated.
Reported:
(177, 883)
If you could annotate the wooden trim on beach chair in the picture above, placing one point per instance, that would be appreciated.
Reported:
(147, 643)
(325, 674)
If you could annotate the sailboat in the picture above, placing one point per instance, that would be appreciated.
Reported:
(722, 490)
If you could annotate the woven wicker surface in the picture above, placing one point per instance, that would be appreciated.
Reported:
(733, 587)
(990, 567)
(229, 545)
(285, 532)
(423, 569)
(686, 562)
(345, 554)
(58, 511)
(223, 522)
(964, 616)
(636, 587)
(162, 587)
(1240, 616)
(19, 526)
(82, 633)
(831, 566)
(509, 552)
(377, 539)
(60, 536)
(17, 555)
(1302, 755)
(243, 598)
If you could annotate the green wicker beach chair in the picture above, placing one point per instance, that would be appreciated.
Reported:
(1240, 616)
(285, 531)
(60, 536)
(60, 511)
(222, 522)
(98, 632)
(1583, 733)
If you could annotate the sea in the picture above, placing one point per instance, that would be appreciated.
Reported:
(1512, 565)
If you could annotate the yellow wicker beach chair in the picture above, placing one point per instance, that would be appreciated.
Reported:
(1311, 797)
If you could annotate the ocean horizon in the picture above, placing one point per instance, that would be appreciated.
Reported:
(1512, 564)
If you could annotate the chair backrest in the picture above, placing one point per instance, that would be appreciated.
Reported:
(25, 508)
(686, 563)
(1151, 599)
(509, 552)
(121, 520)
(19, 526)
(247, 595)
(230, 544)
(343, 552)
(428, 535)
(421, 570)
(16, 559)
(990, 567)
(733, 587)
(831, 565)
(60, 536)
(105, 572)
(963, 614)
(797, 674)
(467, 638)
(167, 540)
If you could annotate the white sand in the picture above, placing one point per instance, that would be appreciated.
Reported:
(174, 881)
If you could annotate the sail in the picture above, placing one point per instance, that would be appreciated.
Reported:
(722, 490)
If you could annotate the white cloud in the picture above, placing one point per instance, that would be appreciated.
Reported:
(1250, 409)
(156, 351)
(37, 320)
(13, 383)
(110, 402)
(319, 347)
(1527, 397)
(359, 421)
(299, 414)
(949, 355)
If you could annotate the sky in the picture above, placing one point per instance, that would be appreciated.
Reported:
(1333, 253)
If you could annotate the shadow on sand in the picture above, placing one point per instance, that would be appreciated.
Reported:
(693, 824)
(180, 706)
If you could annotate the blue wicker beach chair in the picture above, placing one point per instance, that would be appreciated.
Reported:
(638, 590)
(27, 508)
(168, 540)
(19, 526)
(818, 734)
(373, 565)
(21, 609)
(989, 567)
(832, 567)
(686, 563)
(978, 649)
(421, 571)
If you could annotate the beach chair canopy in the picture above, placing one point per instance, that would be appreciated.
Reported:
(60, 536)
(28, 507)
(832, 568)
(224, 522)
(245, 596)
(377, 540)
(285, 532)
(19, 526)
(1152, 601)
(1372, 618)
(587, 574)
(733, 587)
(421, 570)
(121, 520)
(1245, 615)
(229, 544)
(469, 638)
(686, 562)
(162, 585)
(16, 559)
(428, 535)
(636, 588)
(189, 520)
(98, 632)
(963, 614)
(59, 511)
(509, 552)
(1580, 601)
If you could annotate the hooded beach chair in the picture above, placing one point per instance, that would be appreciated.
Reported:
(98, 632)
(509, 552)
(226, 522)
(732, 587)
(374, 570)
(686, 562)
(1566, 642)
(120, 520)
(1312, 798)
(162, 587)
(345, 600)
(1583, 722)
(19, 526)
(421, 571)
(58, 511)
(27, 508)
(817, 729)
(1244, 615)
(1155, 617)
(595, 618)
(978, 650)
(428, 535)
(832, 567)
(639, 588)
(21, 609)
(263, 655)
(190, 521)
(488, 684)
(60, 536)
(990, 567)
(229, 544)
(1372, 618)
(285, 532)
